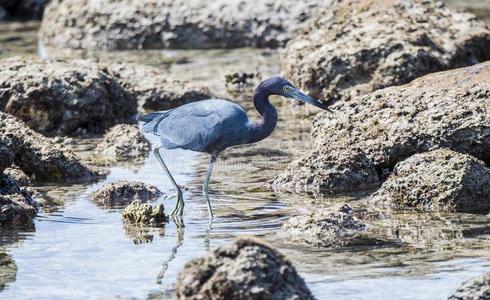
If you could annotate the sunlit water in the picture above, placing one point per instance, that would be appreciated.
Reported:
(78, 250)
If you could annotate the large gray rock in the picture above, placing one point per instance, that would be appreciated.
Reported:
(442, 110)
(154, 90)
(38, 156)
(331, 228)
(439, 180)
(246, 269)
(355, 47)
(474, 289)
(325, 171)
(124, 192)
(62, 98)
(124, 142)
(128, 24)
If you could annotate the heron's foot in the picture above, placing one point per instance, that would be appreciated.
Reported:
(179, 205)
(179, 221)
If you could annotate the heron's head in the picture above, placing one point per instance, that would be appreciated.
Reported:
(282, 87)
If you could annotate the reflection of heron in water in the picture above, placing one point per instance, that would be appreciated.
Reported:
(211, 126)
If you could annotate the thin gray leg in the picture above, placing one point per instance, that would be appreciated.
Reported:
(179, 205)
(205, 187)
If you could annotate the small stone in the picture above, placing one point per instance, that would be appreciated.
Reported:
(124, 142)
(248, 268)
(477, 288)
(16, 204)
(325, 228)
(141, 213)
(122, 192)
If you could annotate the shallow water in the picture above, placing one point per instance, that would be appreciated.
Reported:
(80, 251)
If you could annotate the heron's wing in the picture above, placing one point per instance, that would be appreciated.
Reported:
(199, 125)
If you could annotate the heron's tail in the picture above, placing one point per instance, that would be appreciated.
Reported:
(152, 120)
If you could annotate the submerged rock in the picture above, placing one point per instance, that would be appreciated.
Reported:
(8, 270)
(59, 98)
(324, 171)
(16, 204)
(439, 180)
(355, 47)
(477, 288)
(154, 90)
(141, 213)
(441, 110)
(246, 269)
(324, 228)
(192, 24)
(39, 157)
(124, 142)
(124, 192)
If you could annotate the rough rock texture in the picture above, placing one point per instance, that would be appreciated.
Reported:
(145, 214)
(328, 171)
(154, 90)
(16, 204)
(55, 97)
(474, 289)
(442, 110)
(439, 180)
(127, 24)
(246, 269)
(8, 270)
(18, 175)
(124, 192)
(6, 155)
(124, 142)
(38, 156)
(324, 228)
(355, 47)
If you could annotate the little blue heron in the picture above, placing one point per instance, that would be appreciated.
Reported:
(211, 126)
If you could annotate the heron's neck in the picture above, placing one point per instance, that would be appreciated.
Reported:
(263, 128)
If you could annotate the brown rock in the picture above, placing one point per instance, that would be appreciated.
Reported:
(124, 192)
(124, 142)
(474, 289)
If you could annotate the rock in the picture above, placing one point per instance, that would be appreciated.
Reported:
(6, 154)
(190, 24)
(441, 110)
(3, 15)
(8, 270)
(140, 213)
(16, 204)
(124, 192)
(60, 98)
(154, 90)
(335, 227)
(24, 8)
(439, 180)
(246, 269)
(323, 171)
(474, 289)
(39, 157)
(355, 47)
(124, 142)
(240, 81)
(18, 175)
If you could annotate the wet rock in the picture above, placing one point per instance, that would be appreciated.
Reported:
(6, 154)
(16, 204)
(18, 175)
(39, 157)
(124, 192)
(141, 213)
(439, 180)
(334, 227)
(474, 289)
(8, 270)
(124, 142)
(240, 81)
(154, 90)
(61, 98)
(246, 269)
(188, 24)
(441, 110)
(322, 171)
(355, 47)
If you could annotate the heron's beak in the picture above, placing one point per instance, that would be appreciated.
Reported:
(300, 96)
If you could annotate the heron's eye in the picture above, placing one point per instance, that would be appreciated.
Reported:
(287, 89)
